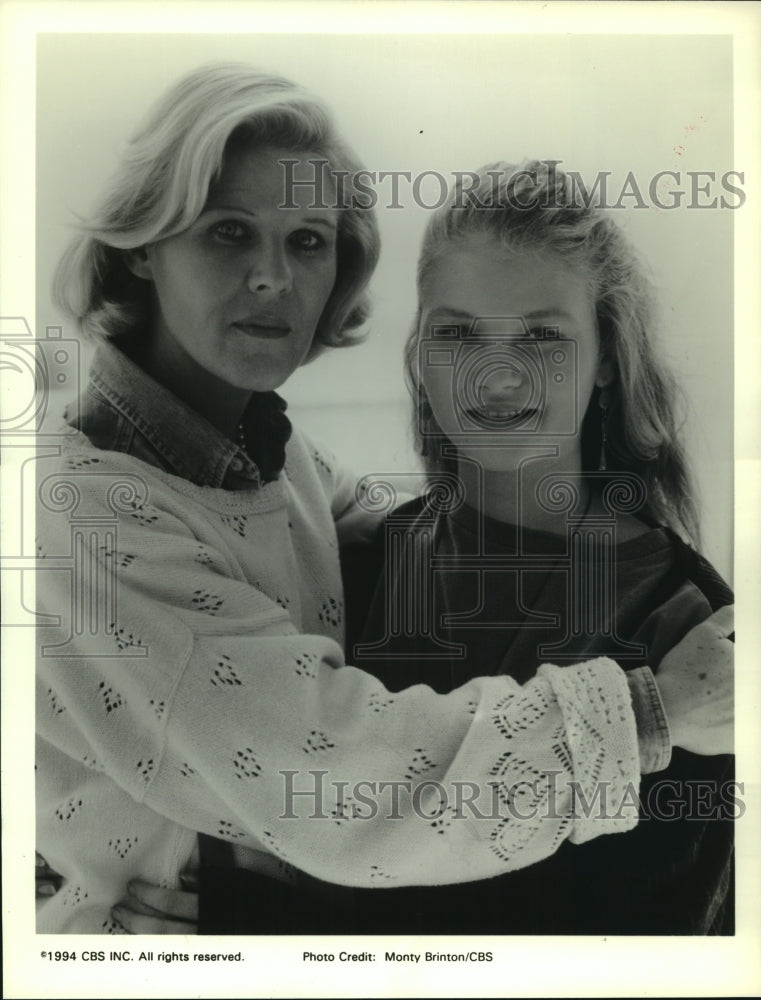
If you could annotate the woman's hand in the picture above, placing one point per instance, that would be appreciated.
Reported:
(696, 682)
(148, 909)
(47, 881)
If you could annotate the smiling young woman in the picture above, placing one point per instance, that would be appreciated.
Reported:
(539, 391)
(514, 393)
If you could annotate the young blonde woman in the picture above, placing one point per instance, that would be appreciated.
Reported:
(571, 533)
(214, 694)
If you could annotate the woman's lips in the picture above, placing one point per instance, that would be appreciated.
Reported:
(503, 416)
(266, 330)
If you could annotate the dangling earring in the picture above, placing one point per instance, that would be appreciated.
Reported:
(424, 415)
(603, 401)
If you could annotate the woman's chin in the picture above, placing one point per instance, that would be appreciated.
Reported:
(261, 379)
(511, 457)
(495, 460)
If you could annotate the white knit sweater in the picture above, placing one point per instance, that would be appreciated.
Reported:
(215, 680)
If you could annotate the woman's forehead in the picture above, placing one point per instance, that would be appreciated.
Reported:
(481, 272)
(275, 176)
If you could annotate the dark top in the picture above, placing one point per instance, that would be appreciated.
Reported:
(513, 600)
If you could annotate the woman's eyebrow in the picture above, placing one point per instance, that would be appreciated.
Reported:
(311, 220)
(554, 312)
(449, 313)
(316, 220)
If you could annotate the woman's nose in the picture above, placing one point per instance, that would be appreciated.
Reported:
(501, 381)
(269, 271)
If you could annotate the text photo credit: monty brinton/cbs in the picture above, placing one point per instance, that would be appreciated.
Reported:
(373, 449)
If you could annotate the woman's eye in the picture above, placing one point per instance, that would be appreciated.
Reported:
(306, 240)
(230, 232)
(460, 331)
(547, 334)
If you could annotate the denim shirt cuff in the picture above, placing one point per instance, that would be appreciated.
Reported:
(652, 726)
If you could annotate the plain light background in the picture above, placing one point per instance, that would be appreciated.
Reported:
(412, 102)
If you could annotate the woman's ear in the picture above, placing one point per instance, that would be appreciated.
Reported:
(606, 371)
(139, 263)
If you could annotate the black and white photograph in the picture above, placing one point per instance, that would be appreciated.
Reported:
(379, 384)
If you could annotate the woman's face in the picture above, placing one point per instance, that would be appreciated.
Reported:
(509, 352)
(240, 292)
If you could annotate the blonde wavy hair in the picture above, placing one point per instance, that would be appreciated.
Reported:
(162, 184)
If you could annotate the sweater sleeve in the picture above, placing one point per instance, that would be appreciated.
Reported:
(358, 504)
(201, 700)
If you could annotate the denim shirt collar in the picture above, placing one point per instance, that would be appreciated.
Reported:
(177, 437)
